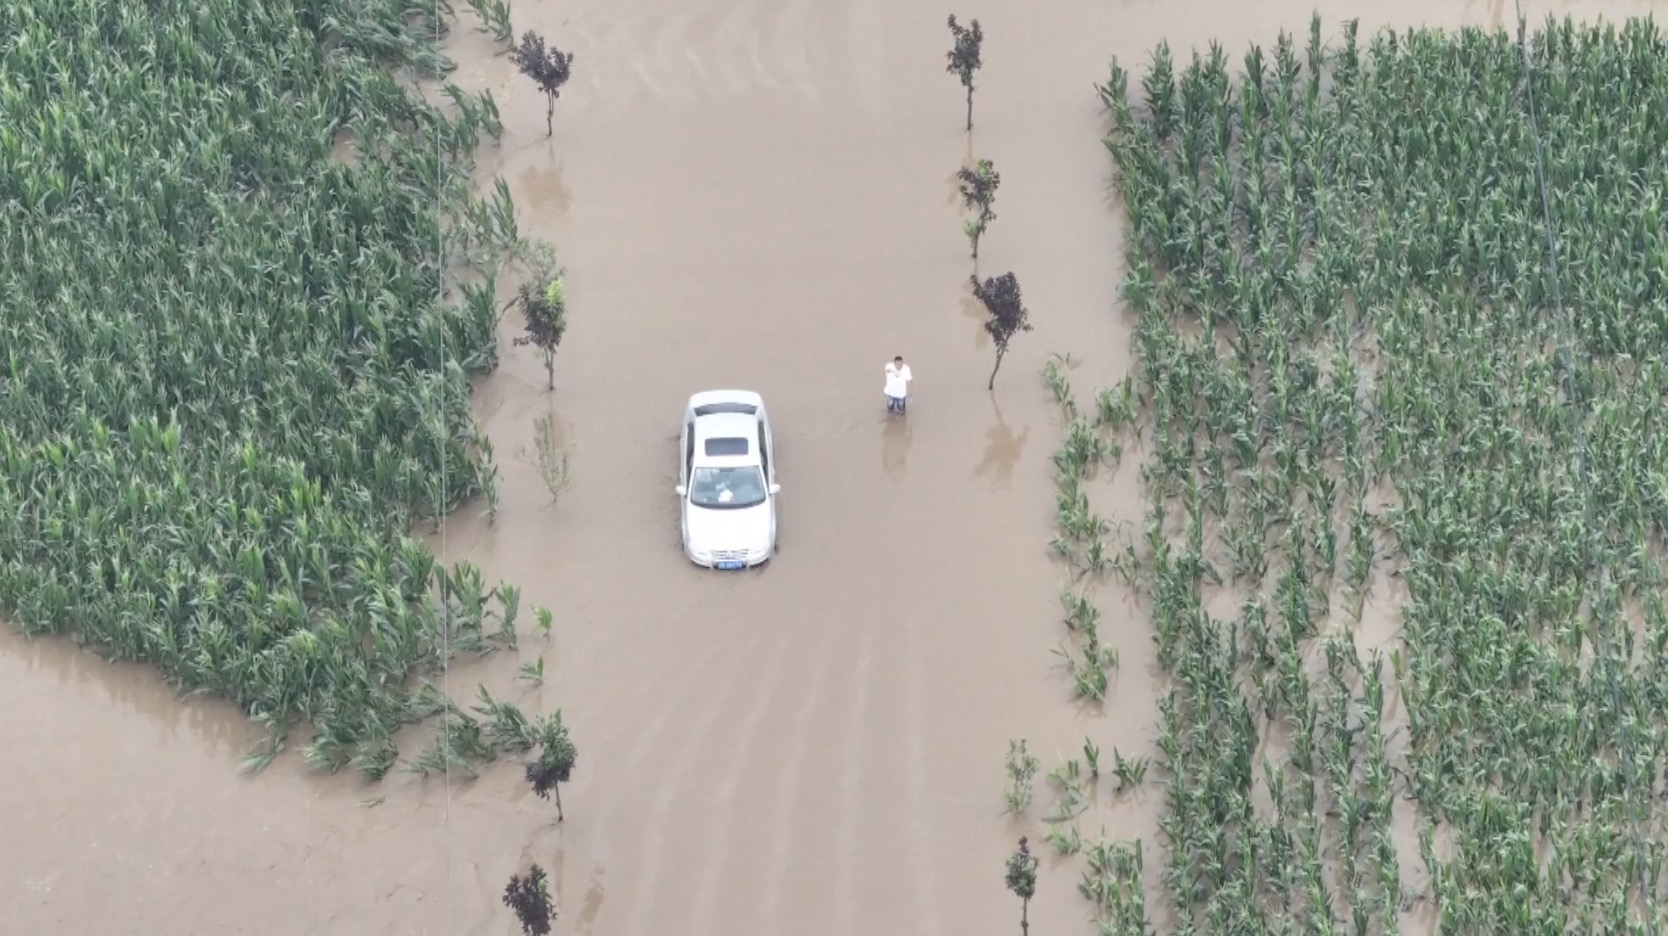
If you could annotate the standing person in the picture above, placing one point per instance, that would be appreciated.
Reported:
(897, 385)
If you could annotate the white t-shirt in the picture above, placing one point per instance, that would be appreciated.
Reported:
(897, 379)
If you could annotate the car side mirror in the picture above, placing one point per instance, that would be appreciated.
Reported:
(681, 490)
(775, 489)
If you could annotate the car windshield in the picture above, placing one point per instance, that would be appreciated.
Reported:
(727, 488)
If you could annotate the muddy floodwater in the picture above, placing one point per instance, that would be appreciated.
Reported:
(745, 194)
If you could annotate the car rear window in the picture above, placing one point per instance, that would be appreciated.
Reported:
(729, 445)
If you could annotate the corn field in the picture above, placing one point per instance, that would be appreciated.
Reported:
(1397, 405)
(230, 376)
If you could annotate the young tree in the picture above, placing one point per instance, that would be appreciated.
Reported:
(549, 69)
(1022, 880)
(529, 898)
(964, 57)
(978, 193)
(1022, 767)
(556, 758)
(543, 303)
(1008, 315)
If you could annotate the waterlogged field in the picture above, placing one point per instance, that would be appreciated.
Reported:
(230, 383)
(1361, 562)
(1399, 302)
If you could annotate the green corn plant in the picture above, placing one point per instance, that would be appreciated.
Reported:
(1059, 387)
(1129, 772)
(226, 485)
(1116, 408)
(506, 728)
(1385, 292)
(1097, 558)
(1072, 797)
(495, 20)
(459, 747)
(1083, 450)
(532, 672)
(1065, 840)
(1081, 613)
(1089, 668)
(1070, 802)
(1067, 773)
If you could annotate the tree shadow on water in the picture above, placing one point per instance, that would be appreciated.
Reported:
(545, 188)
(1002, 450)
(975, 310)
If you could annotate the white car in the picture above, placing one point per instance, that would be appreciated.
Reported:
(727, 480)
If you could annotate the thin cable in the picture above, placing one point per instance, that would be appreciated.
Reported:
(440, 499)
(1566, 355)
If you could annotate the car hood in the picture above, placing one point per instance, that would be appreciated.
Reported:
(709, 529)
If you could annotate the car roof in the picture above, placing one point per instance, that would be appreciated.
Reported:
(726, 426)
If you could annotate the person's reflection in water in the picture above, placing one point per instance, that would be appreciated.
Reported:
(894, 446)
(1001, 451)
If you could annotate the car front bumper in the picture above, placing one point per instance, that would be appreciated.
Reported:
(730, 560)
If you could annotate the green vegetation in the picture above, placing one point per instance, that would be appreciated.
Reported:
(495, 20)
(549, 68)
(528, 897)
(1021, 878)
(1377, 354)
(978, 184)
(557, 756)
(1022, 769)
(229, 383)
(964, 58)
(1006, 311)
(544, 308)
(1091, 443)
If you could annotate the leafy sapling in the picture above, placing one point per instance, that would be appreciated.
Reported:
(1022, 880)
(1022, 768)
(1008, 315)
(978, 185)
(549, 68)
(557, 755)
(529, 898)
(544, 306)
(964, 58)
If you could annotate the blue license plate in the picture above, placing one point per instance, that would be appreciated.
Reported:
(727, 566)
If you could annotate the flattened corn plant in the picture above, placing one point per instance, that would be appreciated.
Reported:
(1354, 353)
(229, 383)
(1091, 442)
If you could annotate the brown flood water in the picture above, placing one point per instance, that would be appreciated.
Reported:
(744, 194)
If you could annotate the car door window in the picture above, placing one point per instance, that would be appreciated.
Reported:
(764, 451)
(688, 447)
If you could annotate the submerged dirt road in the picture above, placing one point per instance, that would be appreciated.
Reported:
(745, 194)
